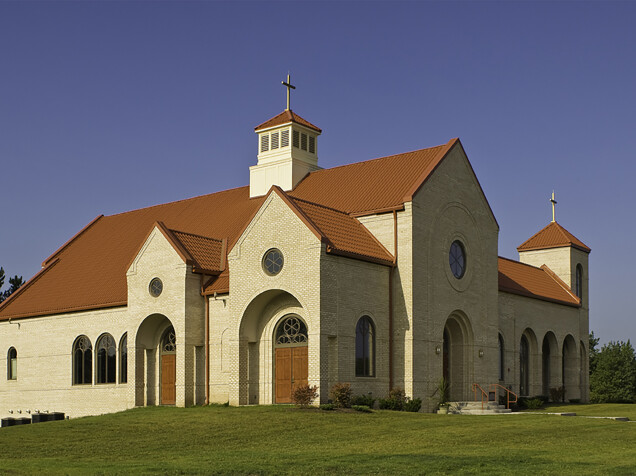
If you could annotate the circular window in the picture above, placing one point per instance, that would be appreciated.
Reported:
(457, 259)
(273, 262)
(155, 287)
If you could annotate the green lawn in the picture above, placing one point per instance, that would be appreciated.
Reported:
(285, 440)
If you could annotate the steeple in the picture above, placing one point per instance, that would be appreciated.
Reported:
(287, 150)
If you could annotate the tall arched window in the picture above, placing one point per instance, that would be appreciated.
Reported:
(82, 361)
(106, 356)
(524, 366)
(12, 364)
(578, 288)
(123, 359)
(502, 363)
(365, 348)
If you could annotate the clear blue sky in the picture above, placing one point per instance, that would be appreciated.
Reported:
(111, 106)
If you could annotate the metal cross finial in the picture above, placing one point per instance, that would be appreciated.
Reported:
(554, 202)
(289, 86)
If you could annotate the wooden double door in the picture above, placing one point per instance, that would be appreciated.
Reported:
(291, 369)
(168, 379)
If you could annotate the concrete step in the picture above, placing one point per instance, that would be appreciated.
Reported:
(476, 408)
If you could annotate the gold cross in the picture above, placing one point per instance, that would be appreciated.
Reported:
(554, 202)
(289, 86)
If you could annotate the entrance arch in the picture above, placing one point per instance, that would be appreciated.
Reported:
(149, 362)
(457, 356)
(290, 363)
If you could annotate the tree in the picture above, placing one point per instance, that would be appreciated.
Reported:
(14, 283)
(614, 376)
(593, 351)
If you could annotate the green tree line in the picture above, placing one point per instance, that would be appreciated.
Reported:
(612, 372)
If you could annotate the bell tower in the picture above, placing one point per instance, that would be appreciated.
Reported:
(287, 150)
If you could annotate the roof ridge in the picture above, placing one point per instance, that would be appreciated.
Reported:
(560, 282)
(178, 201)
(519, 262)
(319, 205)
(378, 158)
(194, 234)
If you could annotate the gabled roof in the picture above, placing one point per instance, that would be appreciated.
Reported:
(285, 117)
(538, 283)
(552, 236)
(374, 185)
(218, 284)
(343, 234)
(89, 271)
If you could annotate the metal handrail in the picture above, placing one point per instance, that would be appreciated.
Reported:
(483, 394)
(493, 387)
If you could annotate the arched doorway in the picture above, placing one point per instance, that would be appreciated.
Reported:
(524, 366)
(291, 367)
(549, 363)
(168, 350)
(457, 363)
(151, 338)
(570, 368)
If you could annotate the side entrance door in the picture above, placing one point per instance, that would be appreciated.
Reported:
(168, 379)
(292, 370)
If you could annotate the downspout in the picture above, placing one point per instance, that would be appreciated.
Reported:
(207, 344)
(391, 271)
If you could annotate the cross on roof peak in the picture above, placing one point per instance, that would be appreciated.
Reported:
(289, 87)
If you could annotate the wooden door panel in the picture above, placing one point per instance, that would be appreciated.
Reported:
(168, 379)
(300, 366)
(283, 375)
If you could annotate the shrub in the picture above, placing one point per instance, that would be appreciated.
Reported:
(395, 401)
(533, 403)
(327, 406)
(340, 395)
(303, 395)
(366, 400)
(361, 408)
(575, 400)
(413, 405)
(557, 394)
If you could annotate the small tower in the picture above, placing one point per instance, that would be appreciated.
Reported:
(287, 151)
(562, 252)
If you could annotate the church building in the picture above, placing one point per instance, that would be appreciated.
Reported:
(383, 274)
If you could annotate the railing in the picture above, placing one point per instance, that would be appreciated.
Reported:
(491, 395)
(484, 394)
(493, 388)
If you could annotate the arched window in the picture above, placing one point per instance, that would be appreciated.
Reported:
(82, 361)
(123, 359)
(365, 348)
(578, 288)
(106, 356)
(12, 364)
(502, 363)
(524, 366)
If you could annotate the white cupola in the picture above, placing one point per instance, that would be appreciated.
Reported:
(287, 151)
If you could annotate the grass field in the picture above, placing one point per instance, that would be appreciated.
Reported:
(286, 440)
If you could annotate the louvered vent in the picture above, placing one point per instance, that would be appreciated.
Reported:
(312, 144)
(296, 139)
(274, 140)
(284, 138)
(303, 141)
(264, 143)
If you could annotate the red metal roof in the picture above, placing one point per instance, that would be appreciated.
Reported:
(89, 271)
(285, 117)
(539, 283)
(552, 236)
